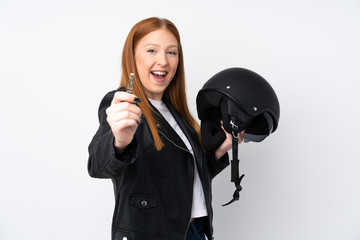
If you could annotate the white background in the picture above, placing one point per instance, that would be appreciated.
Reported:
(58, 59)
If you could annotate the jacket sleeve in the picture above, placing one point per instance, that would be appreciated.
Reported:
(103, 161)
(217, 165)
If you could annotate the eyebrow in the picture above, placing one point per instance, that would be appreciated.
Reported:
(157, 45)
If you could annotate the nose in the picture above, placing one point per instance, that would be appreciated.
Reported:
(162, 59)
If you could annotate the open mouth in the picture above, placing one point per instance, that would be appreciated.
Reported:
(159, 75)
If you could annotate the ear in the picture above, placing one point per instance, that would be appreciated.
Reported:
(212, 136)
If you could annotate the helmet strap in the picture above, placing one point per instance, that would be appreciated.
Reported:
(235, 166)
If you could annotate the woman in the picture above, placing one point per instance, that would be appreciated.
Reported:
(148, 144)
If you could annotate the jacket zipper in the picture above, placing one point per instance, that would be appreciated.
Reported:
(187, 150)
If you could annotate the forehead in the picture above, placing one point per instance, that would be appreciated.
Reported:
(159, 37)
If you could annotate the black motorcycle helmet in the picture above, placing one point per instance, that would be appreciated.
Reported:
(242, 100)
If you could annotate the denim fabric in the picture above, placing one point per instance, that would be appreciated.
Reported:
(195, 231)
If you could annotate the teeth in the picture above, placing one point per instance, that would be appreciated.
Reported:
(159, 73)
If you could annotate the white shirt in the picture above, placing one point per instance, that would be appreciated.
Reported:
(198, 204)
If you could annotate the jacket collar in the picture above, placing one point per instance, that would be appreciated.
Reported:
(164, 127)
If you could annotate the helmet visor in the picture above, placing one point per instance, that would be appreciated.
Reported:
(252, 135)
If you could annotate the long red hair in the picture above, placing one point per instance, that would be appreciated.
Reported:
(175, 92)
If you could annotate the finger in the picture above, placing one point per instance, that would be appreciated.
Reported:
(124, 97)
(125, 123)
(125, 106)
(124, 115)
(241, 136)
(222, 126)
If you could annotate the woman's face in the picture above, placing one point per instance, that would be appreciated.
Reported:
(156, 58)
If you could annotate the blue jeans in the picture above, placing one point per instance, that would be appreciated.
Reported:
(195, 231)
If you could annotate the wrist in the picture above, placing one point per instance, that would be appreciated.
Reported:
(119, 149)
(219, 154)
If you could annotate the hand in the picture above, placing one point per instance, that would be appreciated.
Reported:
(123, 116)
(227, 144)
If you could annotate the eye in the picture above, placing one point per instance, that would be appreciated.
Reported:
(151, 51)
(172, 53)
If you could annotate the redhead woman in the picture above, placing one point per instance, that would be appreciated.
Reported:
(149, 144)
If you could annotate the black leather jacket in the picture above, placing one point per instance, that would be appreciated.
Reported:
(153, 189)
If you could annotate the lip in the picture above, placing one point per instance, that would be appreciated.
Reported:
(159, 79)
